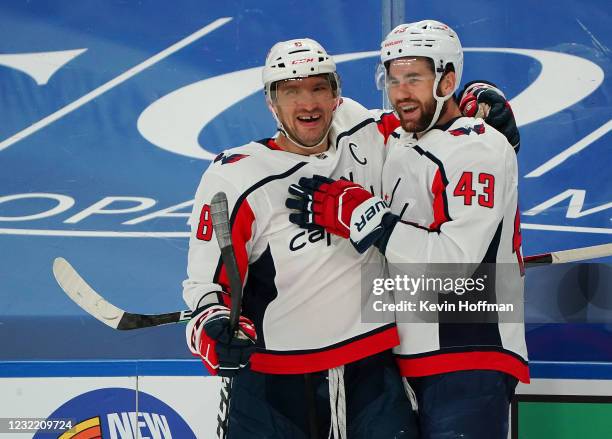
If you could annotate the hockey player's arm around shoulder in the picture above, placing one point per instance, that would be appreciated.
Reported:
(483, 99)
(469, 193)
(206, 289)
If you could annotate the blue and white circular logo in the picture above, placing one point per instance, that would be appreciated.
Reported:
(112, 413)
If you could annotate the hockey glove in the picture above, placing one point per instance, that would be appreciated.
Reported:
(209, 337)
(483, 99)
(341, 207)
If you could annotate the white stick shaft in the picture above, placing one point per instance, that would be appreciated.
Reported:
(581, 254)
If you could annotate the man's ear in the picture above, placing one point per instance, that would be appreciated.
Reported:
(447, 83)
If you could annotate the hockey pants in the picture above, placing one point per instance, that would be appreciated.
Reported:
(298, 406)
(472, 404)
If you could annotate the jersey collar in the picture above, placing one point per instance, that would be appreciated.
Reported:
(270, 143)
(447, 125)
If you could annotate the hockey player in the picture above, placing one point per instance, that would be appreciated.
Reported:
(451, 188)
(316, 368)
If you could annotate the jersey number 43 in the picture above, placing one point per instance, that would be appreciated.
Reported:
(486, 183)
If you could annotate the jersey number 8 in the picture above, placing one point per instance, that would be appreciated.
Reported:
(205, 227)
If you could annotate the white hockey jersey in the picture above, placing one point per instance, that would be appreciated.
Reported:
(301, 288)
(455, 190)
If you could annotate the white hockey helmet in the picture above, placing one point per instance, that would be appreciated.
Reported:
(431, 39)
(295, 59)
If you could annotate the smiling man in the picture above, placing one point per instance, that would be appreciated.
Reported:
(409, 81)
(451, 197)
(304, 108)
(464, 211)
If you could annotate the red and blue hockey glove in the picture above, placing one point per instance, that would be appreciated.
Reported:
(209, 337)
(341, 207)
(483, 99)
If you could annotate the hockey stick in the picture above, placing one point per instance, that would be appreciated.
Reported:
(573, 255)
(95, 305)
(223, 231)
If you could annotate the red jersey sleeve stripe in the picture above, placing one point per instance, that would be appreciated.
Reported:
(242, 230)
(438, 189)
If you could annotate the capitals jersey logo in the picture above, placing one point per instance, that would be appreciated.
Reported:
(232, 158)
(465, 131)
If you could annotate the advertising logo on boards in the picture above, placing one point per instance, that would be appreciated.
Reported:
(110, 413)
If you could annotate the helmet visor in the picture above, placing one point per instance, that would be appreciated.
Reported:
(310, 91)
(409, 72)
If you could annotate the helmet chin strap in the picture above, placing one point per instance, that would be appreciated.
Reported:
(440, 100)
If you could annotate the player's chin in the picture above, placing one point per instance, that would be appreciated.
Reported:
(410, 126)
(310, 142)
(414, 125)
(311, 137)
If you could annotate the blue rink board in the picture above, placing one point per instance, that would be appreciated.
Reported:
(99, 149)
(102, 368)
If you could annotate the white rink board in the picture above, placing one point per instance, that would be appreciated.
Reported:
(39, 397)
(541, 386)
(194, 399)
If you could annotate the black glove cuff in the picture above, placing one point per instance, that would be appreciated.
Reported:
(388, 222)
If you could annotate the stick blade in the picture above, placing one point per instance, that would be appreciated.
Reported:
(84, 295)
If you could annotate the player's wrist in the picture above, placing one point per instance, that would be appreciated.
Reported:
(217, 297)
(389, 221)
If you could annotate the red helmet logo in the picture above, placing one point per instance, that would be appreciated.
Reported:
(302, 61)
